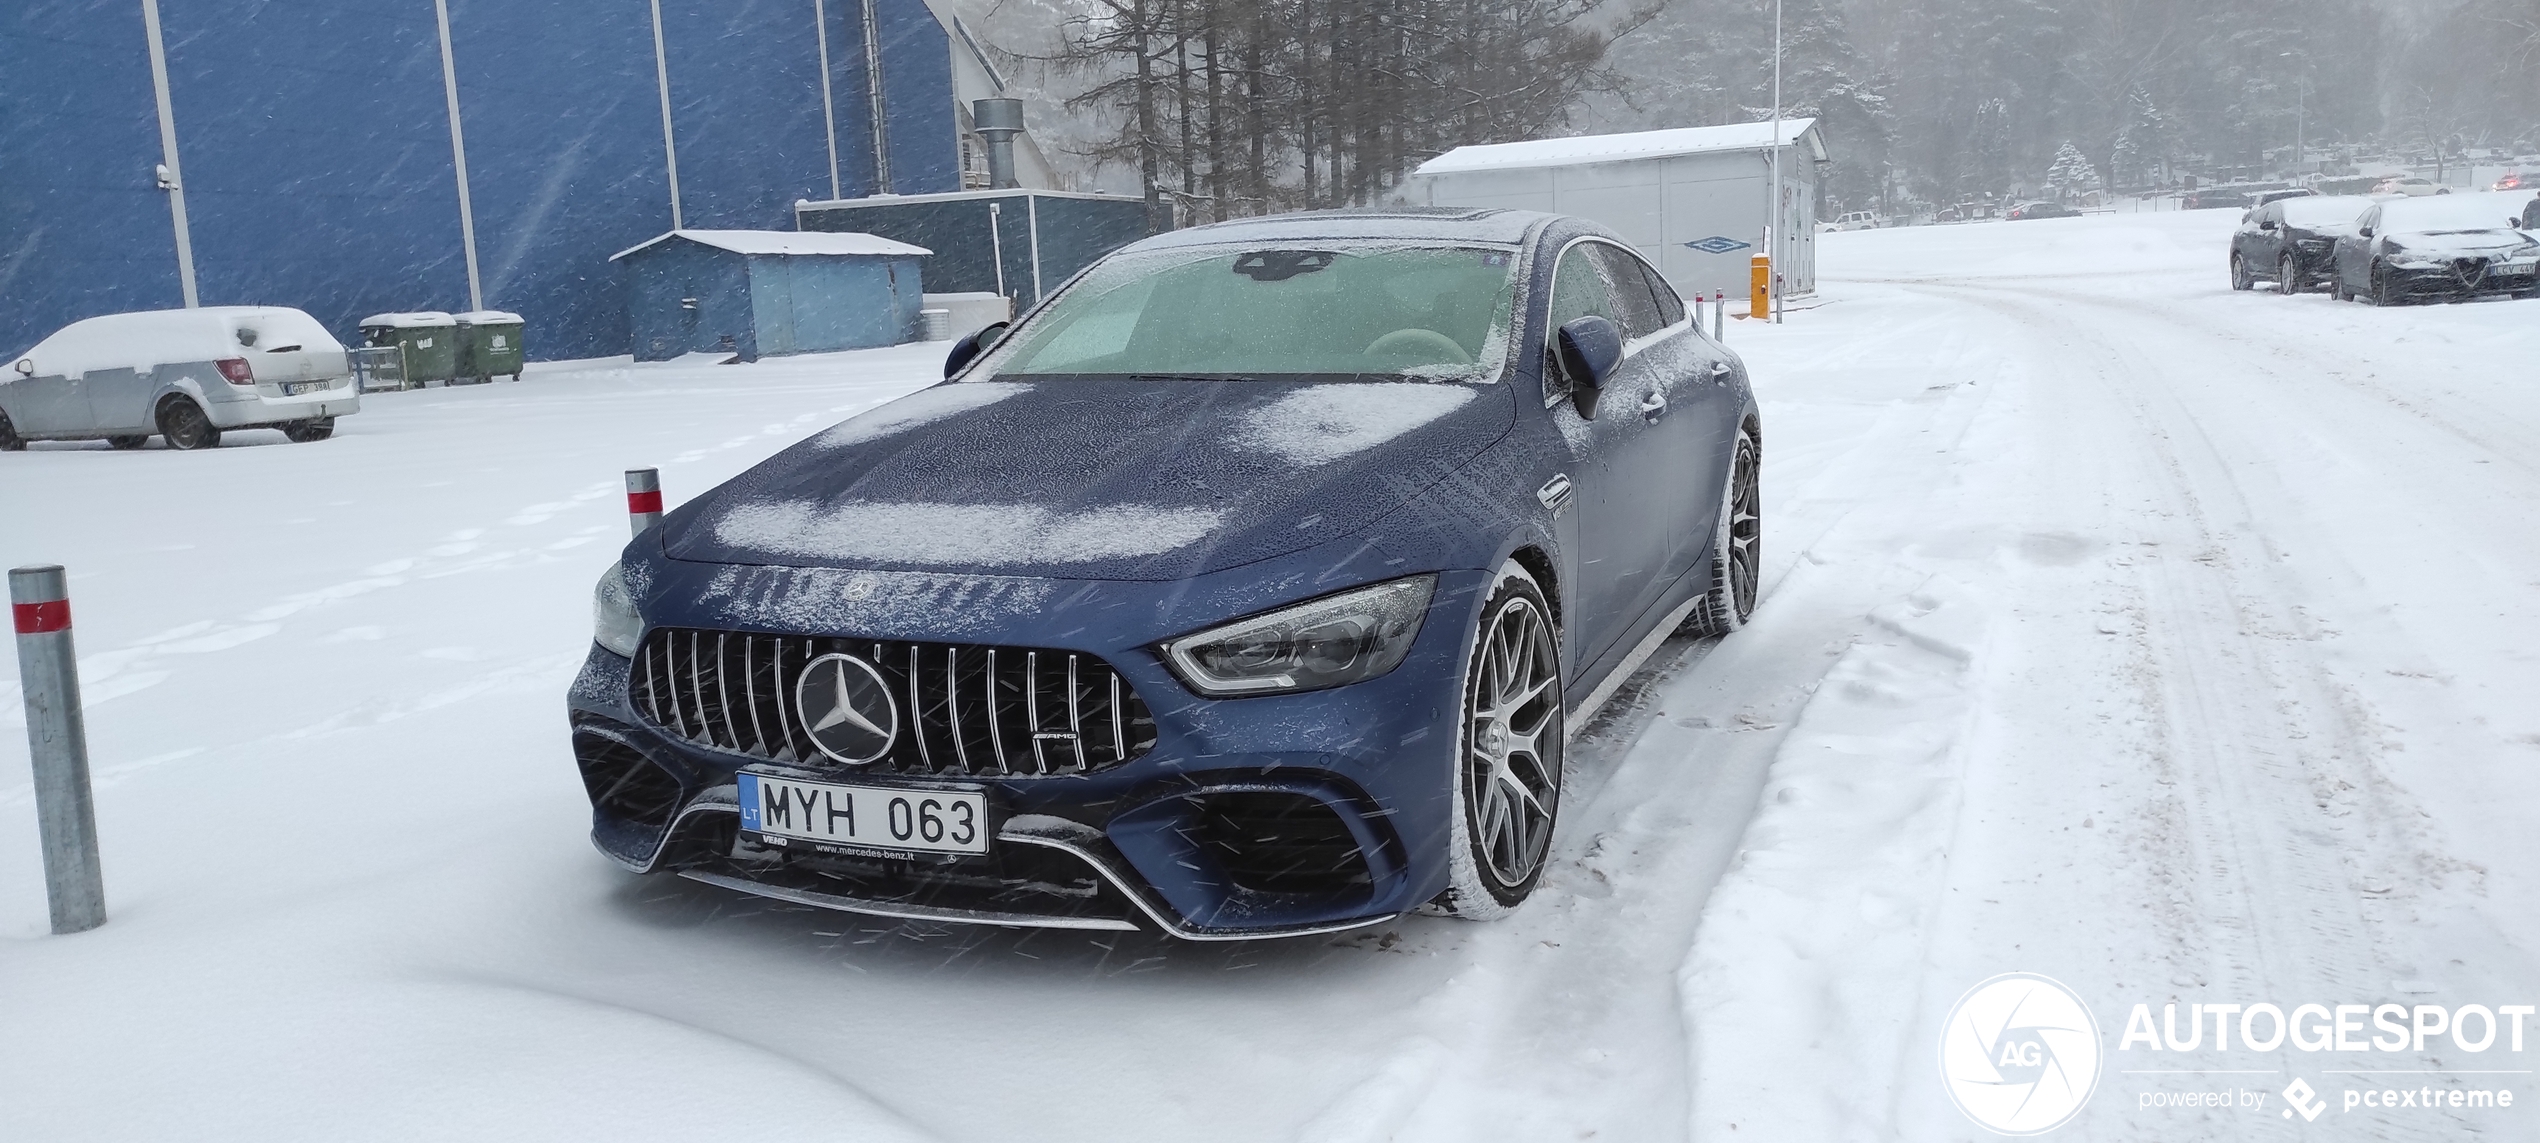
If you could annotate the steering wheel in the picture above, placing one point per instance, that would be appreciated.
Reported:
(1422, 346)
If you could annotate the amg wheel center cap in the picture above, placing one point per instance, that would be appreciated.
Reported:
(846, 707)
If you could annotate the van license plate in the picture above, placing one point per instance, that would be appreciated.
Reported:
(864, 817)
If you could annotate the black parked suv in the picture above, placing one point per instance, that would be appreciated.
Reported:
(2293, 241)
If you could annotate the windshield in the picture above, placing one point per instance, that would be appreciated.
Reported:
(2450, 212)
(2331, 211)
(1326, 309)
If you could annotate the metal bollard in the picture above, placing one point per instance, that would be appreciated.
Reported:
(57, 743)
(1719, 315)
(643, 498)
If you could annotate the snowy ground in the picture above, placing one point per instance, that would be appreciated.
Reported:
(2172, 642)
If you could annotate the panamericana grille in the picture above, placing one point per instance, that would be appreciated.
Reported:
(971, 711)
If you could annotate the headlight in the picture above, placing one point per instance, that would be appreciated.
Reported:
(614, 621)
(1328, 642)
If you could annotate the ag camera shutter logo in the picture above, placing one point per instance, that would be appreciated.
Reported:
(2020, 1054)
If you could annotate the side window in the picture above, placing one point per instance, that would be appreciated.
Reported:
(1638, 310)
(1671, 309)
(1579, 289)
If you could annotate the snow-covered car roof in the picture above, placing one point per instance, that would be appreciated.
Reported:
(147, 339)
(787, 242)
(1662, 144)
(1412, 224)
(2326, 210)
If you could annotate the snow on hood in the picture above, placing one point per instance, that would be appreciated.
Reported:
(2445, 243)
(1094, 478)
(978, 535)
(924, 406)
(1323, 423)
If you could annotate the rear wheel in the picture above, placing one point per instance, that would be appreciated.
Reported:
(302, 432)
(128, 443)
(1737, 544)
(2240, 279)
(1507, 780)
(183, 423)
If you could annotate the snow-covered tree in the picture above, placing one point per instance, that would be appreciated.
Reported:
(2071, 176)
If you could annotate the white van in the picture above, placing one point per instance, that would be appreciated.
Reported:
(186, 375)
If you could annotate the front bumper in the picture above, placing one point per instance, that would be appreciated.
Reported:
(2463, 279)
(1253, 817)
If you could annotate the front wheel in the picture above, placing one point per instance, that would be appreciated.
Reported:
(2288, 278)
(1737, 544)
(185, 426)
(302, 432)
(10, 441)
(1507, 781)
(2383, 292)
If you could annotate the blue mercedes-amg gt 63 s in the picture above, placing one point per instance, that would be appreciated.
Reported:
(1248, 587)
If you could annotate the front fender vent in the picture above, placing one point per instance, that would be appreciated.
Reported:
(964, 710)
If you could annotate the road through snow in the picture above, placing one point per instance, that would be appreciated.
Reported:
(2168, 641)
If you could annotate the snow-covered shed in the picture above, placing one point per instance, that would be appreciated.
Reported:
(1693, 199)
(761, 293)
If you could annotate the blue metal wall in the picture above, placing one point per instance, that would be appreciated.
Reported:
(316, 149)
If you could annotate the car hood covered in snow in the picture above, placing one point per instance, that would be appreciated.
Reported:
(1094, 478)
(2453, 243)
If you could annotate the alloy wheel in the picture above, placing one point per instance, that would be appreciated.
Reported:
(182, 422)
(2288, 280)
(1746, 528)
(1512, 755)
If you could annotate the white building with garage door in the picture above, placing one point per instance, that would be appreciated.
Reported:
(1693, 199)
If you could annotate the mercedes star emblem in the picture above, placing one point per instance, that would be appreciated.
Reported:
(847, 707)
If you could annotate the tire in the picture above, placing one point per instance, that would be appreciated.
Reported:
(2288, 276)
(10, 441)
(2240, 279)
(1737, 543)
(128, 443)
(185, 426)
(2383, 293)
(1507, 781)
(303, 432)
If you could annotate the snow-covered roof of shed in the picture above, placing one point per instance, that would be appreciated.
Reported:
(487, 317)
(787, 242)
(1623, 147)
(1408, 223)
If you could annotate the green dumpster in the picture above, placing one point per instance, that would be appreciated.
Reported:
(428, 341)
(489, 345)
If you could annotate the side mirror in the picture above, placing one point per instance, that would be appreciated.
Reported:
(26, 367)
(969, 348)
(1588, 349)
(2363, 232)
(2266, 224)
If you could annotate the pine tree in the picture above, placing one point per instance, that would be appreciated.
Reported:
(2071, 176)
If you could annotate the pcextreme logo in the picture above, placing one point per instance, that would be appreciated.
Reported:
(2020, 1054)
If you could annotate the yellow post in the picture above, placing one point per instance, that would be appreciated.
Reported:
(1760, 286)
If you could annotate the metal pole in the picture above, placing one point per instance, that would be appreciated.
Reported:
(828, 105)
(172, 180)
(873, 94)
(996, 251)
(643, 498)
(458, 154)
(1776, 211)
(57, 742)
(669, 144)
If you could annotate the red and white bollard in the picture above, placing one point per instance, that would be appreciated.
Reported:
(1719, 315)
(643, 498)
(57, 743)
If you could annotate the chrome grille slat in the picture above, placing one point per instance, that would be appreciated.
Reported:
(996, 726)
(1075, 715)
(682, 685)
(1032, 708)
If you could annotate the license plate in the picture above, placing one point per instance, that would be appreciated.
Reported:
(2523, 268)
(295, 389)
(785, 810)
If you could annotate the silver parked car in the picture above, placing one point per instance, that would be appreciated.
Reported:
(187, 375)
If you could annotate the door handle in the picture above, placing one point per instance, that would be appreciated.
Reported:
(1720, 372)
(1654, 405)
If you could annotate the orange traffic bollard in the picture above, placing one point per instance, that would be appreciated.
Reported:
(1760, 284)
